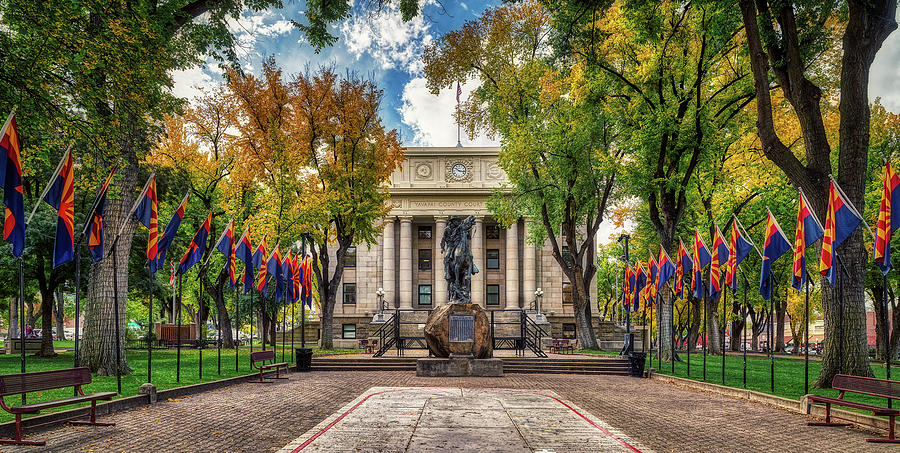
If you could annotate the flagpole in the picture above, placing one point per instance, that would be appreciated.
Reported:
(724, 326)
(150, 328)
(115, 245)
(771, 333)
(49, 184)
(21, 318)
(283, 324)
(705, 331)
(806, 338)
(251, 318)
(219, 331)
(293, 325)
(672, 354)
(178, 328)
(744, 324)
(200, 336)
(887, 336)
(237, 328)
(77, 299)
(687, 343)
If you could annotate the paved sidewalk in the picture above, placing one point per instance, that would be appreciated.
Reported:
(461, 420)
(266, 417)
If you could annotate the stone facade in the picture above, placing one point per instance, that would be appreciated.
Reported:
(432, 185)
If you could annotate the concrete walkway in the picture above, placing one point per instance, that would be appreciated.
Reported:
(461, 420)
(266, 417)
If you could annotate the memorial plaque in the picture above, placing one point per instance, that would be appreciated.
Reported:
(462, 328)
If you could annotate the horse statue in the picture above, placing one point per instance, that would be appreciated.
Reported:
(458, 263)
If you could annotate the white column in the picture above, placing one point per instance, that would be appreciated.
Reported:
(406, 283)
(529, 267)
(387, 275)
(439, 295)
(478, 258)
(512, 267)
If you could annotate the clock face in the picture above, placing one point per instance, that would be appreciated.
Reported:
(459, 170)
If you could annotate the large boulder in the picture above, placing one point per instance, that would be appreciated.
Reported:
(437, 332)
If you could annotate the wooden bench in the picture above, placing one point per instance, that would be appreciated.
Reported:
(258, 360)
(865, 386)
(15, 384)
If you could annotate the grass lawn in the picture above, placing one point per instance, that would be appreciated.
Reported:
(789, 375)
(163, 369)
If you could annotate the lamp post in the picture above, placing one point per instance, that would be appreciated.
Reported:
(539, 317)
(628, 347)
(379, 317)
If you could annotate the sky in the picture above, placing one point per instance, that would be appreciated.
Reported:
(387, 50)
(380, 47)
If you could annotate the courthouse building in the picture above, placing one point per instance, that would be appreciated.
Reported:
(432, 185)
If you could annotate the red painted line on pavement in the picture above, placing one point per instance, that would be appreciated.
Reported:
(335, 421)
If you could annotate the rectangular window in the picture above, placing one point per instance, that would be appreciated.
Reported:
(568, 330)
(424, 232)
(424, 294)
(348, 331)
(349, 293)
(493, 259)
(492, 231)
(424, 259)
(350, 257)
(567, 292)
(493, 295)
(567, 257)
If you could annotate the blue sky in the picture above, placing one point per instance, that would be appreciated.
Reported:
(380, 47)
(387, 50)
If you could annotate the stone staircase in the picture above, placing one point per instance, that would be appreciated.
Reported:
(575, 365)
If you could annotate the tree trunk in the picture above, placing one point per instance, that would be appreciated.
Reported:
(696, 322)
(737, 328)
(713, 332)
(13, 317)
(60, 316)
(583, 325)
(47, 304)
(880, 309)
(223, 320)
(666, 333)
(98, 349)
(780, 312)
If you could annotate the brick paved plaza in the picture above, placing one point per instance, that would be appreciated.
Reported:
(267, 417)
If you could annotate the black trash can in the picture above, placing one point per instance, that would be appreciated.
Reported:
(304, 359)
(637, 360)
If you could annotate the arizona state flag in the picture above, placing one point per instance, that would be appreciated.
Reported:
(61, 195)
(683, 266)
(700, 260)
(666, 269)
(628, 284)
(244, 252)
(145, 210)
(809, 230)
(890, 198)
(225, 246)
(273, 267)
(11, 174)
(719, 258)
(306, 281)
(169, 235)
(651, 282)
(739, 247)
(295, 277)
(259, 263)
(197, 248)
(841, 221)
(94, 228)
(640, 281)
(775, 244)
(286, 277)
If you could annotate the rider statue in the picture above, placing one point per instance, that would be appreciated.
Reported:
(458, 264)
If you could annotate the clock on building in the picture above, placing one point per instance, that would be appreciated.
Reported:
(459, 171)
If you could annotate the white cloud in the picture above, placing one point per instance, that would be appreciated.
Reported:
(885, 74)
(384, 36)
(189, 83)
(431, 117)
